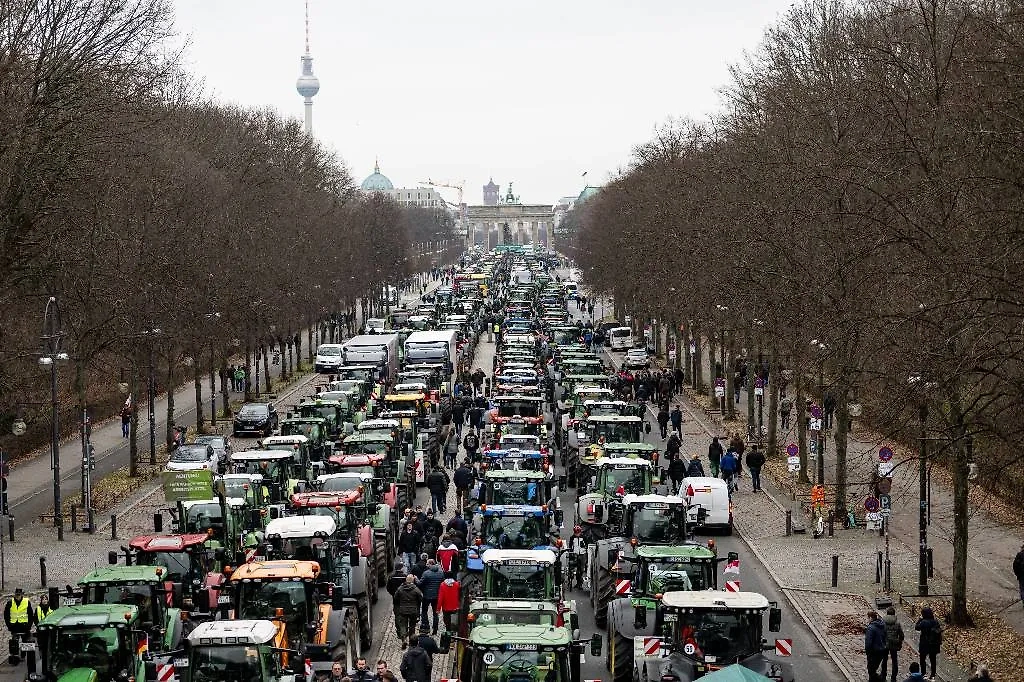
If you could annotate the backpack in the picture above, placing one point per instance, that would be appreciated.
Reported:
(893, 636)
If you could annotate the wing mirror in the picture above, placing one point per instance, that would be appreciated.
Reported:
(595, 645)
(353, 555)
(640, 616)
(774, 619)
(647, 426)
(563, 484)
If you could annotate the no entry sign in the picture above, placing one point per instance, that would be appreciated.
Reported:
(884, 453)
(792, 450)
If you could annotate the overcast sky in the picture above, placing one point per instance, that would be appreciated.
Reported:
(528, 91)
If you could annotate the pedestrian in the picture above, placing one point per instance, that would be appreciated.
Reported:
(396, 578)
(382, 669)
(407, 605)
(433, 527)
(126, 418)
(362, 673)
(459, 525)
(44, 609)
(430, 543)
(429, 584)
(428, 643)
(437, 486)
(337, 673)
(464, 478)
(729, 467)
(676, 417)
(915, 672)
(755, 461)
(737, 445)
(785, 409)
(451, 447)
(416, 664)
(663, 418)
(874, 645)
(18, 616)
(715, 456)
(695, 467)
(420, 566)
(893, 642)
(449, 597)
(930, 643)
(471, 442)
(674, 445)
(447, 555)
(240, 379)
(676, 472)
(1018, 570)
(737, 386)
(409, 544)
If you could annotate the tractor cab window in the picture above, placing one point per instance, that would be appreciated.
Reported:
(657, 526)
(520, 666)
(515, 492)
(513, 532)
(130, 595)
(725, 635)
(178, 564)
(96, 648)
(213, 664)
(518, 581)
(632, 480)
(260, 601)
(670, 576)
(201, 517)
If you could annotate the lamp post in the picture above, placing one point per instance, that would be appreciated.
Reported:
(51, 354)
(723, 311)
(820, 347)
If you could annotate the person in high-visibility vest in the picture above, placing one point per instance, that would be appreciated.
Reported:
(18, 615)
(44, 609)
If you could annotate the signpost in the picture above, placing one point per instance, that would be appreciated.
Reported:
(884, 453)
(759, 386)
(188, 485)
(872, 504)
(793, 457)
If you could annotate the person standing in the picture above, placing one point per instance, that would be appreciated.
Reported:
(471, 442)
(785, 409)
(715, 452)
(1018, 570)
(663, 418)
(18, 616)
(409, 544)
(396, 579)
(407, 606)
(438, 487)
(416, 664)
(451, 447)
(44, 609)
(676, 417)
(362, 673)
(430, 583)
(126, 417)
(449, 597)
(874, 645)
(755, 461)
(676, 472)
(730, 465)
(930, 643)
(695, 468)
(893, 642)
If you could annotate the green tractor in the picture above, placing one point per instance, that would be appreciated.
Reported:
(518, 653)
(281, 471)
(383, 455)
(145, 587)
(614, 478)
(339, 413)
(92, 643)
(315, 429)
(239, 650)
(698, 633)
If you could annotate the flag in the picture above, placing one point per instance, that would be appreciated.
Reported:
(128, 401)
(143, 645)
(732, 567)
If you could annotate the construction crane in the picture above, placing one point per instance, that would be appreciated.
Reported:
(451, 184)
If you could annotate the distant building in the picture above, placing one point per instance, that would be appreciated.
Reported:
(490, 193)
(427, 197)
(492, 224)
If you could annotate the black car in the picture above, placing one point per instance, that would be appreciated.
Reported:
(256, 418)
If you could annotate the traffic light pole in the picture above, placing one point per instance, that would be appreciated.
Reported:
(88, 462)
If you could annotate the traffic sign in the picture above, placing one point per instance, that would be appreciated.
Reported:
(885, 469)
(815, 424)
(884, 453)
(871, 504)
(872, 520)
(793, 462)
(816, 411)
(792, 450)
(886, 504)
(783, 647)
(720, 382)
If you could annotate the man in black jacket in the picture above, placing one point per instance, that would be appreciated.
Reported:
(362, 673)
(396, 579)
(416, 664)
(472, 443)
(437, 484)
(755, 460)
(1018, 570)
(464, 479)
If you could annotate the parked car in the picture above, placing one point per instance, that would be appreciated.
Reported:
(192, 456)
(255, 418)
(636, 358)
(221, 449)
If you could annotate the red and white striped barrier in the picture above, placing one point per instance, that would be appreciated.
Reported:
(732, 585)
(783, 647)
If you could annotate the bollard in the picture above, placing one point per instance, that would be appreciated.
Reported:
(74, 519)
(931, 567)
(158, 522)
(831, 524)
(878, 568)
(835, 570)
(113, 526)
(888, 575)
(10, 527)
(42, 571)
(789, 522)
(30, 660)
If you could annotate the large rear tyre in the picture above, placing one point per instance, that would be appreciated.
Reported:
(344, 650)
(365, 624)
(380, 555)
(620, 653)
(603, 591)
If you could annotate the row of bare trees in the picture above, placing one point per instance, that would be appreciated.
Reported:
(861, 190)
(175, 232)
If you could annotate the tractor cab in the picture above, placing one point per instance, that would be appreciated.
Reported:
(337, 413)
(615, 478)
(510, 527)
(281, 471)
(145, 587)
(503, 487)
(314, 428)
(521, 574)
(96, 642)
(236, 650)
(187, 561)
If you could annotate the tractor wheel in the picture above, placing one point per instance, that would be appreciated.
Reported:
(380, 555)
(372, 584)
(603, 589)
(365, 624)
(620, 648)
(344, 650)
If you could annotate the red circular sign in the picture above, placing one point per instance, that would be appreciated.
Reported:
(872, 504)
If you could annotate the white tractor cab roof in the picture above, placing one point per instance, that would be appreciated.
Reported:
(289, 527)
(352, 479)
(710, 600)
(260, 455)
(411, 387)
(378, 425)
(528, 556)
(233, 632)
(624, 462)
(596, 391)
(297, 439)
(651, 499)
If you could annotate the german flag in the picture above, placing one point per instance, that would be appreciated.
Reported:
(143, 645)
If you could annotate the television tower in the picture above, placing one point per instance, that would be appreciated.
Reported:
(308, 84)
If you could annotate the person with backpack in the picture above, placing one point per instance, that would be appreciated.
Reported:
(930, 643)
(416, 664)
(730, 465)
(893, 642)
(695, 467)
(677, 472)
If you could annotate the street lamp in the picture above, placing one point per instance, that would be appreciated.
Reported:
(820, 347)
(916, 381)
(50, 355)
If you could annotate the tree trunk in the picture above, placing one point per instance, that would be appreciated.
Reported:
(282, 350)
(772, 395)
(711, 369)
(729, 369)
(248, 369)
(266, 370)
(698, 373)
(801, 426)
(751, 399)
(213, 389)
(684, 341)
(958, 614)
(170, 401)
(224, 379)
(198, 379)
(309, 342)
(842, 417)
(133, 433)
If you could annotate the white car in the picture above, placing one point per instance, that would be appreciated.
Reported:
(191, 456)
(636, 357)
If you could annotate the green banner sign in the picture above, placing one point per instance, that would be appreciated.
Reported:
(188, 485)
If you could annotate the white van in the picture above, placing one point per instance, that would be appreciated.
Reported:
(620, 338)
(328, 357)
(711, 494)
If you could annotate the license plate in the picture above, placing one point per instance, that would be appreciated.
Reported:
(26, 646)
(181, 663)
(224, 599)
(70, 601)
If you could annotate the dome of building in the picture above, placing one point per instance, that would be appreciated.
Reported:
(376, 182)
